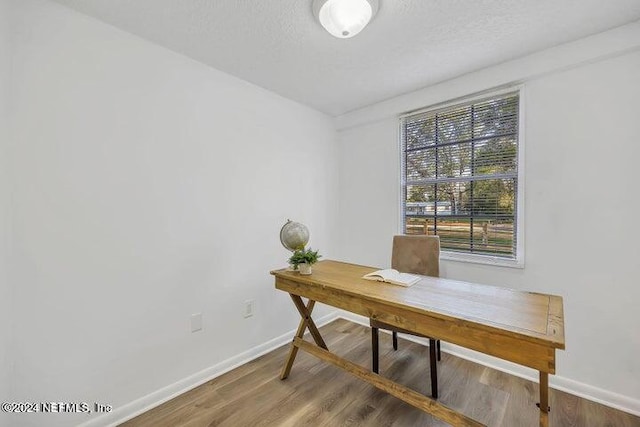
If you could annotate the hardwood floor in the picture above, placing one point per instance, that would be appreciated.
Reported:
(318, 394)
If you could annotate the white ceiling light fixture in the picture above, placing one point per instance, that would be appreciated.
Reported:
(344, 18)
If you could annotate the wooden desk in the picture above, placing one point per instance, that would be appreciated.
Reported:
(521, 327)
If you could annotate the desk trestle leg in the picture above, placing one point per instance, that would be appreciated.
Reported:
(305, 322)
(544, 399)
(305, 313)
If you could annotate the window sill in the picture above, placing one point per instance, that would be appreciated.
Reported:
(482, 259)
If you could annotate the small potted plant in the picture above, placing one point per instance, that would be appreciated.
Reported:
(303, 259)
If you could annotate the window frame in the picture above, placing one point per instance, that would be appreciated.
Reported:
(518, 260)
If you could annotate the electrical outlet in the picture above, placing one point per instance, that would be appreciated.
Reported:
(196, 322)
(248, 308)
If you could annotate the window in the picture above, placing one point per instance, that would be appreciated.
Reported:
(460, 178)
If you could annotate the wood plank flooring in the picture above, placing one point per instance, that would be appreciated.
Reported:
(318, 394)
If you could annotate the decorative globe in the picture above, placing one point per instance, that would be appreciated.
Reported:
(294, 235)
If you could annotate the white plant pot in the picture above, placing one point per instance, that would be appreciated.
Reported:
(305, 269)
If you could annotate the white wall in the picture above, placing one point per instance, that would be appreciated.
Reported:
(581, 233)
(147, 187)
(5, 289)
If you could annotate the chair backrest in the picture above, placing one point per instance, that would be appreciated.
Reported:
(418, 254)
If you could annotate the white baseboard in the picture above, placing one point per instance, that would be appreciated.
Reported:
(557, 382)
(156, 398)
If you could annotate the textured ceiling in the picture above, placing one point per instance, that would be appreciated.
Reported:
(410, 44)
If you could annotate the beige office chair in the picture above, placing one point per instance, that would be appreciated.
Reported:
(418, 254)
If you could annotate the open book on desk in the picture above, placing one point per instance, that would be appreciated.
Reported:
(392, 276)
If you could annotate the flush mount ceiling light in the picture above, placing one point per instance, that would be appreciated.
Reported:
(344, 18)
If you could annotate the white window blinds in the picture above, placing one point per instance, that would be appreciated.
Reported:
(460, 175)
